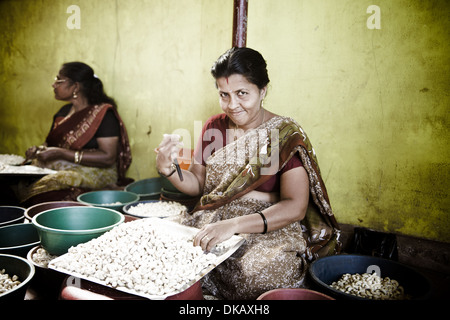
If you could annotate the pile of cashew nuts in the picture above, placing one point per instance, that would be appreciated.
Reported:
(7, 282)
(370, 286)
(157, 209)
(139, 256)
(42, 258)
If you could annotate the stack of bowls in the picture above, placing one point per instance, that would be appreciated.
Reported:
(16, 237)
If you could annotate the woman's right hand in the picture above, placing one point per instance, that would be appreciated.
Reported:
(167, 152)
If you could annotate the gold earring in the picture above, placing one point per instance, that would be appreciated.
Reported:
(74, 95)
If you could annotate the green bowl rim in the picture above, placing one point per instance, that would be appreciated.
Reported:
(107, 205)
(22, 282)
(78, 232)
(143, 181)
(22, 245)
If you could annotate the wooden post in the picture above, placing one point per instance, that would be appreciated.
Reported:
(240, 9)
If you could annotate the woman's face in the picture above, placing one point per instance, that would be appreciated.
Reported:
(63, 88)
(241, 100)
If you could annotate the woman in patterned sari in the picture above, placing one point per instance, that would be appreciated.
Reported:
(257, 175)
(87, 144)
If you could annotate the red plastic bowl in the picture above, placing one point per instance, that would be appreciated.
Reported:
(38, 208)
(293, 294)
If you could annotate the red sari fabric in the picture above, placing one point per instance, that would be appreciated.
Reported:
(75, 131)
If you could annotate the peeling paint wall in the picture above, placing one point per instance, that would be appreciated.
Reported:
(374, 102)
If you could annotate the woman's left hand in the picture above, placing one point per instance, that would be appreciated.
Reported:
(49, 154)
(214, 233)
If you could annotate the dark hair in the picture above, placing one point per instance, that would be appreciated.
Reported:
(244, 61)
(91, 85)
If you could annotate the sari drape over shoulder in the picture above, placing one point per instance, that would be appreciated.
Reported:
(77, 130)
(74, 132)
(278, 258)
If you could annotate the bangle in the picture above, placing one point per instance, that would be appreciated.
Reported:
(265, 221)
(77, 157)
(173, 171)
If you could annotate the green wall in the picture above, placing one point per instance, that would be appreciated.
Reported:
(373, 101)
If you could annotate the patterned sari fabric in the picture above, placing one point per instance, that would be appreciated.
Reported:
(73, 133)
(277, 259)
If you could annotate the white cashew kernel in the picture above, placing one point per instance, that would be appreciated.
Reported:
(7, 282)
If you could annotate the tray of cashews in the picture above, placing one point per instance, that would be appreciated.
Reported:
(153, 258)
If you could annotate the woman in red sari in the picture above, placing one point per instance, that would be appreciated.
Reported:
(87, 144)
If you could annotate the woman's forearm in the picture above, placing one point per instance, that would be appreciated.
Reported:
(190, 184)
(277, 216)
(91, 158)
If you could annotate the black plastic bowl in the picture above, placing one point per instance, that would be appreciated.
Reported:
(325, 271)
(11, 215)
(20, 267)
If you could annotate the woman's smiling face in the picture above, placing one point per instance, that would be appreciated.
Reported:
(241, 100)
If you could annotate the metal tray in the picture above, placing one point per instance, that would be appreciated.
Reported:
(231, 245)
(24, 171)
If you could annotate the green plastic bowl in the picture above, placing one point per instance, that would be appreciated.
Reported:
(61, 228)
(18, 239)
(20, 267)
(147, 189)
(110, 199)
